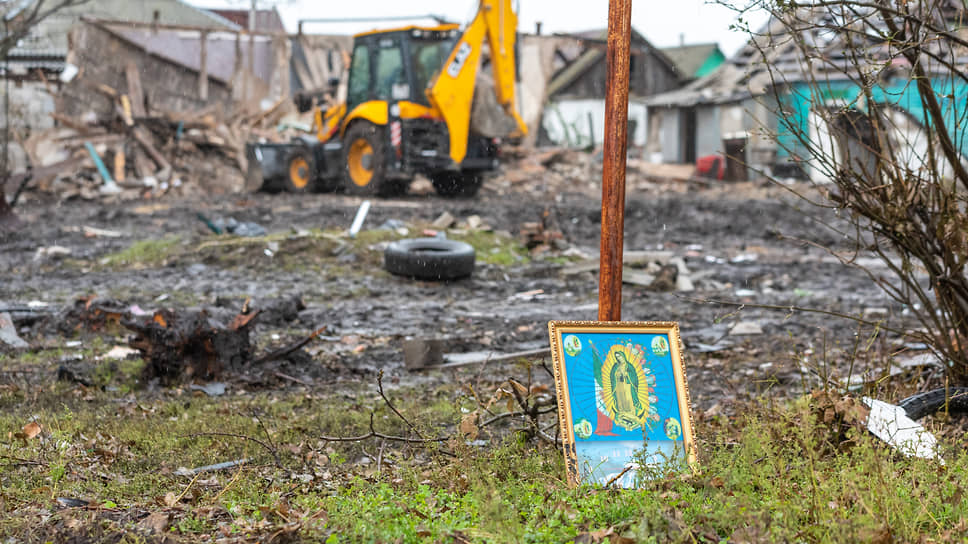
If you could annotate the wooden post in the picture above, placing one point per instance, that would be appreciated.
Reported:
(135, 91)
(203, 66)
(250, 77)
(119, 163)
(613, 166)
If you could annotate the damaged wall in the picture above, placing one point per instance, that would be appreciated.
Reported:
(574, 111)
(539, 57)
(239, 68)
(166, 85)
(581, 123)
(318, 58)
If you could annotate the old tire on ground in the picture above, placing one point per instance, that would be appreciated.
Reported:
(457, 184)
(364, 163)
(929, 402)
(436, 259)
(299, 172)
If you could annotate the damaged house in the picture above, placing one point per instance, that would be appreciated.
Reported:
(574, 110)
(777, 101)
(185, 68)
(166, 55)
(35, 65)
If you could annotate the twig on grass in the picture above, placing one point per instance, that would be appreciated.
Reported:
(379, 383)
(376, 434)
(280, 353)
(228, 485)
(499, 417)
(270, 449)
(531, 411)
(19, 461)
(187, 487)
(291, 378)
(265, 431)
(618, 476)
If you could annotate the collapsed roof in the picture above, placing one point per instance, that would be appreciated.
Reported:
(836, 41)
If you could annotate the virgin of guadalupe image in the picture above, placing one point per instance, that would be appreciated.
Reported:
(628, 408)
(627, 387)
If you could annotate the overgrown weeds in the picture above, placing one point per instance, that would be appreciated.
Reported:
(106, 465)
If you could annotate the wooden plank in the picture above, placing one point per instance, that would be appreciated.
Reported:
(141, 163)
(145, 140)
(203, 67)
(258, 118)
(70, 122)
(79, 139)
(135, 92)
(126, 110)
(119, 164)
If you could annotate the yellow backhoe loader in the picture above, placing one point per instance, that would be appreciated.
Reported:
(408, 109)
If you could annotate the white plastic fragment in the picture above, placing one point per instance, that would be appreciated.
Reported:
(891, 424)
(360, 216)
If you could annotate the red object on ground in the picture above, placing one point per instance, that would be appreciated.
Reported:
(711, 166)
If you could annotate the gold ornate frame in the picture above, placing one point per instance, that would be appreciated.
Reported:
(558, 330)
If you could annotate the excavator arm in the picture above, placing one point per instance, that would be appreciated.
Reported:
(452, 90)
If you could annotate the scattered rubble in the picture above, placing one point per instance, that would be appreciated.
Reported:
(190, 153)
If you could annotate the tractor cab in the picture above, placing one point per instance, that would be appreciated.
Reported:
(397, 65)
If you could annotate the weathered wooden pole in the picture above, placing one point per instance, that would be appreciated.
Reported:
(613, 165)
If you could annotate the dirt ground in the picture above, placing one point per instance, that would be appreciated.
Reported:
(743, 243)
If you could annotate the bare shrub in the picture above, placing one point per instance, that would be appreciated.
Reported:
(870, 101)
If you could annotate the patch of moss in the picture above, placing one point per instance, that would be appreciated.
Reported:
(494, 248)
(144, 253)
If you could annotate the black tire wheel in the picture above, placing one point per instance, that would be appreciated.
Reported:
(457, 184)
(364, 163)
(929, 402)
(299, 172)
(437, 259)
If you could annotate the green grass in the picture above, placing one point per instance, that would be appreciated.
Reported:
(774, 474)
(143, 253)
(495, 248)
(315, 252)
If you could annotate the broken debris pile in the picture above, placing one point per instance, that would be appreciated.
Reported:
(567, 170)
(142, 152)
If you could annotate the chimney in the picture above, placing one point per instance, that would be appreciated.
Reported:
(682, 39)
(537, 28)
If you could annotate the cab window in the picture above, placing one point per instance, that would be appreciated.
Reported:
(358, 89)
(391, 83)
(429, 57)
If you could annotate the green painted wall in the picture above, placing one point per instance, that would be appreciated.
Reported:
(903, 93)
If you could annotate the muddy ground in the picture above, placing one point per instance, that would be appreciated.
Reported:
(741, 242)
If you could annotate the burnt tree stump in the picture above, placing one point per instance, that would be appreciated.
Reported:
(191, 345)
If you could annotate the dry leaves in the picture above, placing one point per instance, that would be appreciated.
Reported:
(31, 430)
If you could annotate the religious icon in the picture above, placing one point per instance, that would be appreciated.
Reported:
(622, 398)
